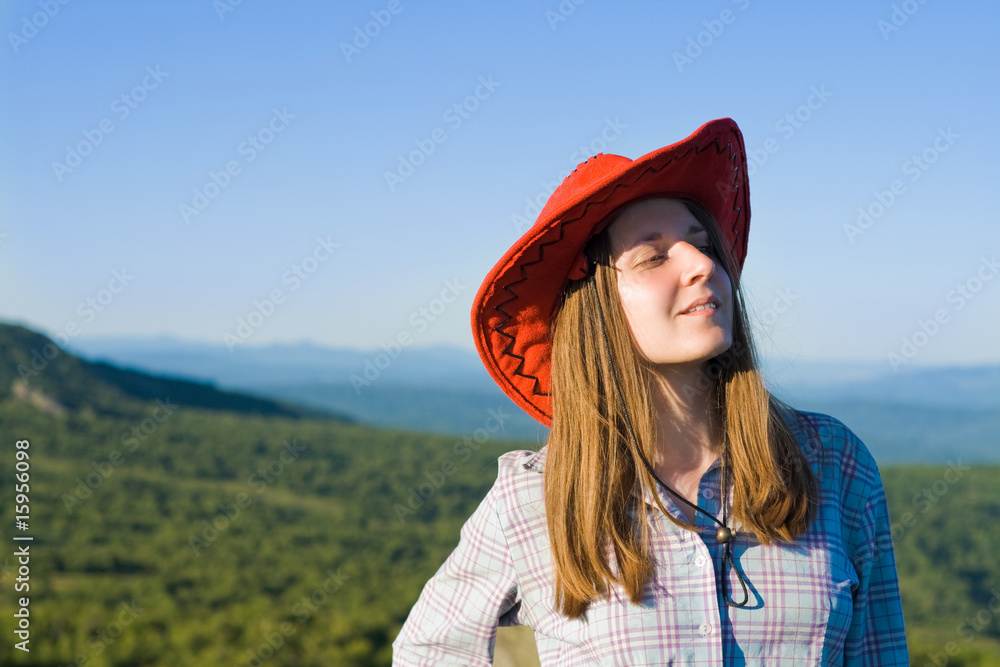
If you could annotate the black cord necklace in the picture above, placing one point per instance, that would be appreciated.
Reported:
(724, 535)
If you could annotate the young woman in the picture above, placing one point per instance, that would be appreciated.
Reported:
(679, 514)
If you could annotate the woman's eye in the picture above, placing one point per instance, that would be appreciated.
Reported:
(654, 259)
(707, 249)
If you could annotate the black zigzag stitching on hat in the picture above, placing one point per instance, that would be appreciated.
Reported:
(499, 328)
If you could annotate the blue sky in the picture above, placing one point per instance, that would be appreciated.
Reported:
(164, 97)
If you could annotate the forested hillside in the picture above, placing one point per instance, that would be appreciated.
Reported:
(222, 527)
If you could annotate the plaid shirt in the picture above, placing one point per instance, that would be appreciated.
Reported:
(831, 597)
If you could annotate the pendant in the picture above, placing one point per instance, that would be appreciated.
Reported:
(723, 535)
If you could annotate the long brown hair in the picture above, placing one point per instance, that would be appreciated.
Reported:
(595, 481)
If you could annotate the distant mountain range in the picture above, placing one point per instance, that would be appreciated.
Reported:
(916, 415)
(34, 370)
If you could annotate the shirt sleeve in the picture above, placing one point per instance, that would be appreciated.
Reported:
(454, 622)
(876, 637)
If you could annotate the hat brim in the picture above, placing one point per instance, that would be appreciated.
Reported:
(513, 308)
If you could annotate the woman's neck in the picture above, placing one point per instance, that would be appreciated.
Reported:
(688, 437)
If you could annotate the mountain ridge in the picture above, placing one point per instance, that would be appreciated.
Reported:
(37, 371)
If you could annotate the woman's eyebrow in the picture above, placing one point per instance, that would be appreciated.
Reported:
(656, 236)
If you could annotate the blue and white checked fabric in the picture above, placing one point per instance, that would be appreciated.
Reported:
(831, 597)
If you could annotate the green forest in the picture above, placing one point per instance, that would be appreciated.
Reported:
(193, 529)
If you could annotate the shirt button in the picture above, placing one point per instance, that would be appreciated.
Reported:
(705, 628)
(700, 561)
(708, 493)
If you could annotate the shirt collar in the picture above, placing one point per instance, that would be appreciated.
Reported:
(536, 461)
(668, 501)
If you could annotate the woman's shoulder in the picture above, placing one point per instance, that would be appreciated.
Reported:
(518, 460)
(829, 444)
(520, 478)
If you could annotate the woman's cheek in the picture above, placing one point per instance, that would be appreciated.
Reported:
(627, 291)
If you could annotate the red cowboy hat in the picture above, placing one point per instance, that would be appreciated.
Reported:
(514, 306)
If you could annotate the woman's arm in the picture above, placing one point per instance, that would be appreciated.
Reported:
(475, 590)
(876, 637)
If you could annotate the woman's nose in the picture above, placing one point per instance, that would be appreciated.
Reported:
(697, 264)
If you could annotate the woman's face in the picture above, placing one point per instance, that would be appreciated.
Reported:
(665, 266)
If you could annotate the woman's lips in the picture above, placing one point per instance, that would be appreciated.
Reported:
(704, 312)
